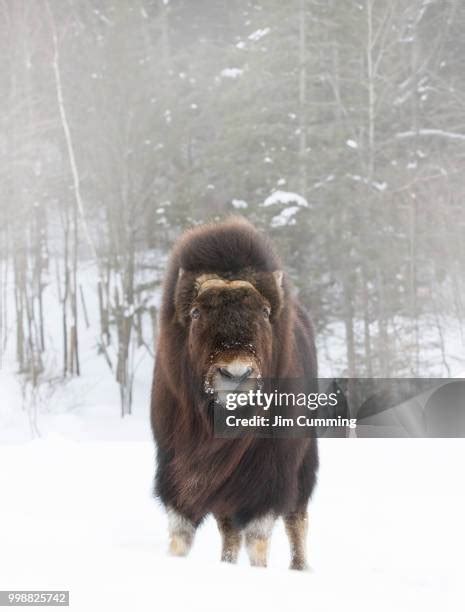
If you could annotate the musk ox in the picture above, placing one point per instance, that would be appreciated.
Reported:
(229, 314)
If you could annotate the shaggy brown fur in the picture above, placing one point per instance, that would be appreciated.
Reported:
(208, 321)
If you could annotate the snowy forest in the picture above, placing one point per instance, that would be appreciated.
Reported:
(336, 127)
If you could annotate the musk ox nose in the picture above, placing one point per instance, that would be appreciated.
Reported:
(236, 372)
(235, 375)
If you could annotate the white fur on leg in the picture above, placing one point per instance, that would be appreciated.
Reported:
(181, 531)
(257, 535)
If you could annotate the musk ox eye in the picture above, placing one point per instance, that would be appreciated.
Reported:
(195, 313)
(266, 312)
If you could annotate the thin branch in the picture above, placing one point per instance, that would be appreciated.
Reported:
(431, 132)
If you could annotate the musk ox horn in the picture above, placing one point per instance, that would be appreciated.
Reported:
(278, 274)
(213, 281)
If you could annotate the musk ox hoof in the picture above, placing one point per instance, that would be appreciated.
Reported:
(179, 546)
(299, 565)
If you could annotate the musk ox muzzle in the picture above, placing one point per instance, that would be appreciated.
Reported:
(234, 369)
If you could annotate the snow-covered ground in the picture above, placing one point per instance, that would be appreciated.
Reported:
(76, 510)
(386, 531)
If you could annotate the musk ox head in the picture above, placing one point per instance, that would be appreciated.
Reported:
(228, 322)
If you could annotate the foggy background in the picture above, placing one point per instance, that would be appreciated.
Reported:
(337, 127)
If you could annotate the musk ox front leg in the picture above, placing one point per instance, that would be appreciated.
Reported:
(181, 533)
(231, 539)
(257, 537)
(296, 524)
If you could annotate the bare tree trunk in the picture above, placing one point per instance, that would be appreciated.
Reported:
(103, 310)
(442, 344)
(38, 255)
(366, 325)
(371, 90)
(154, 321)
(67, 134)
(350, 337)
(66, 291)
(165, 37)
(84, 307)
(4, 290)
(414, 314)
(4, 263)
(19, 274)
(74, 299)
(384, 348)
